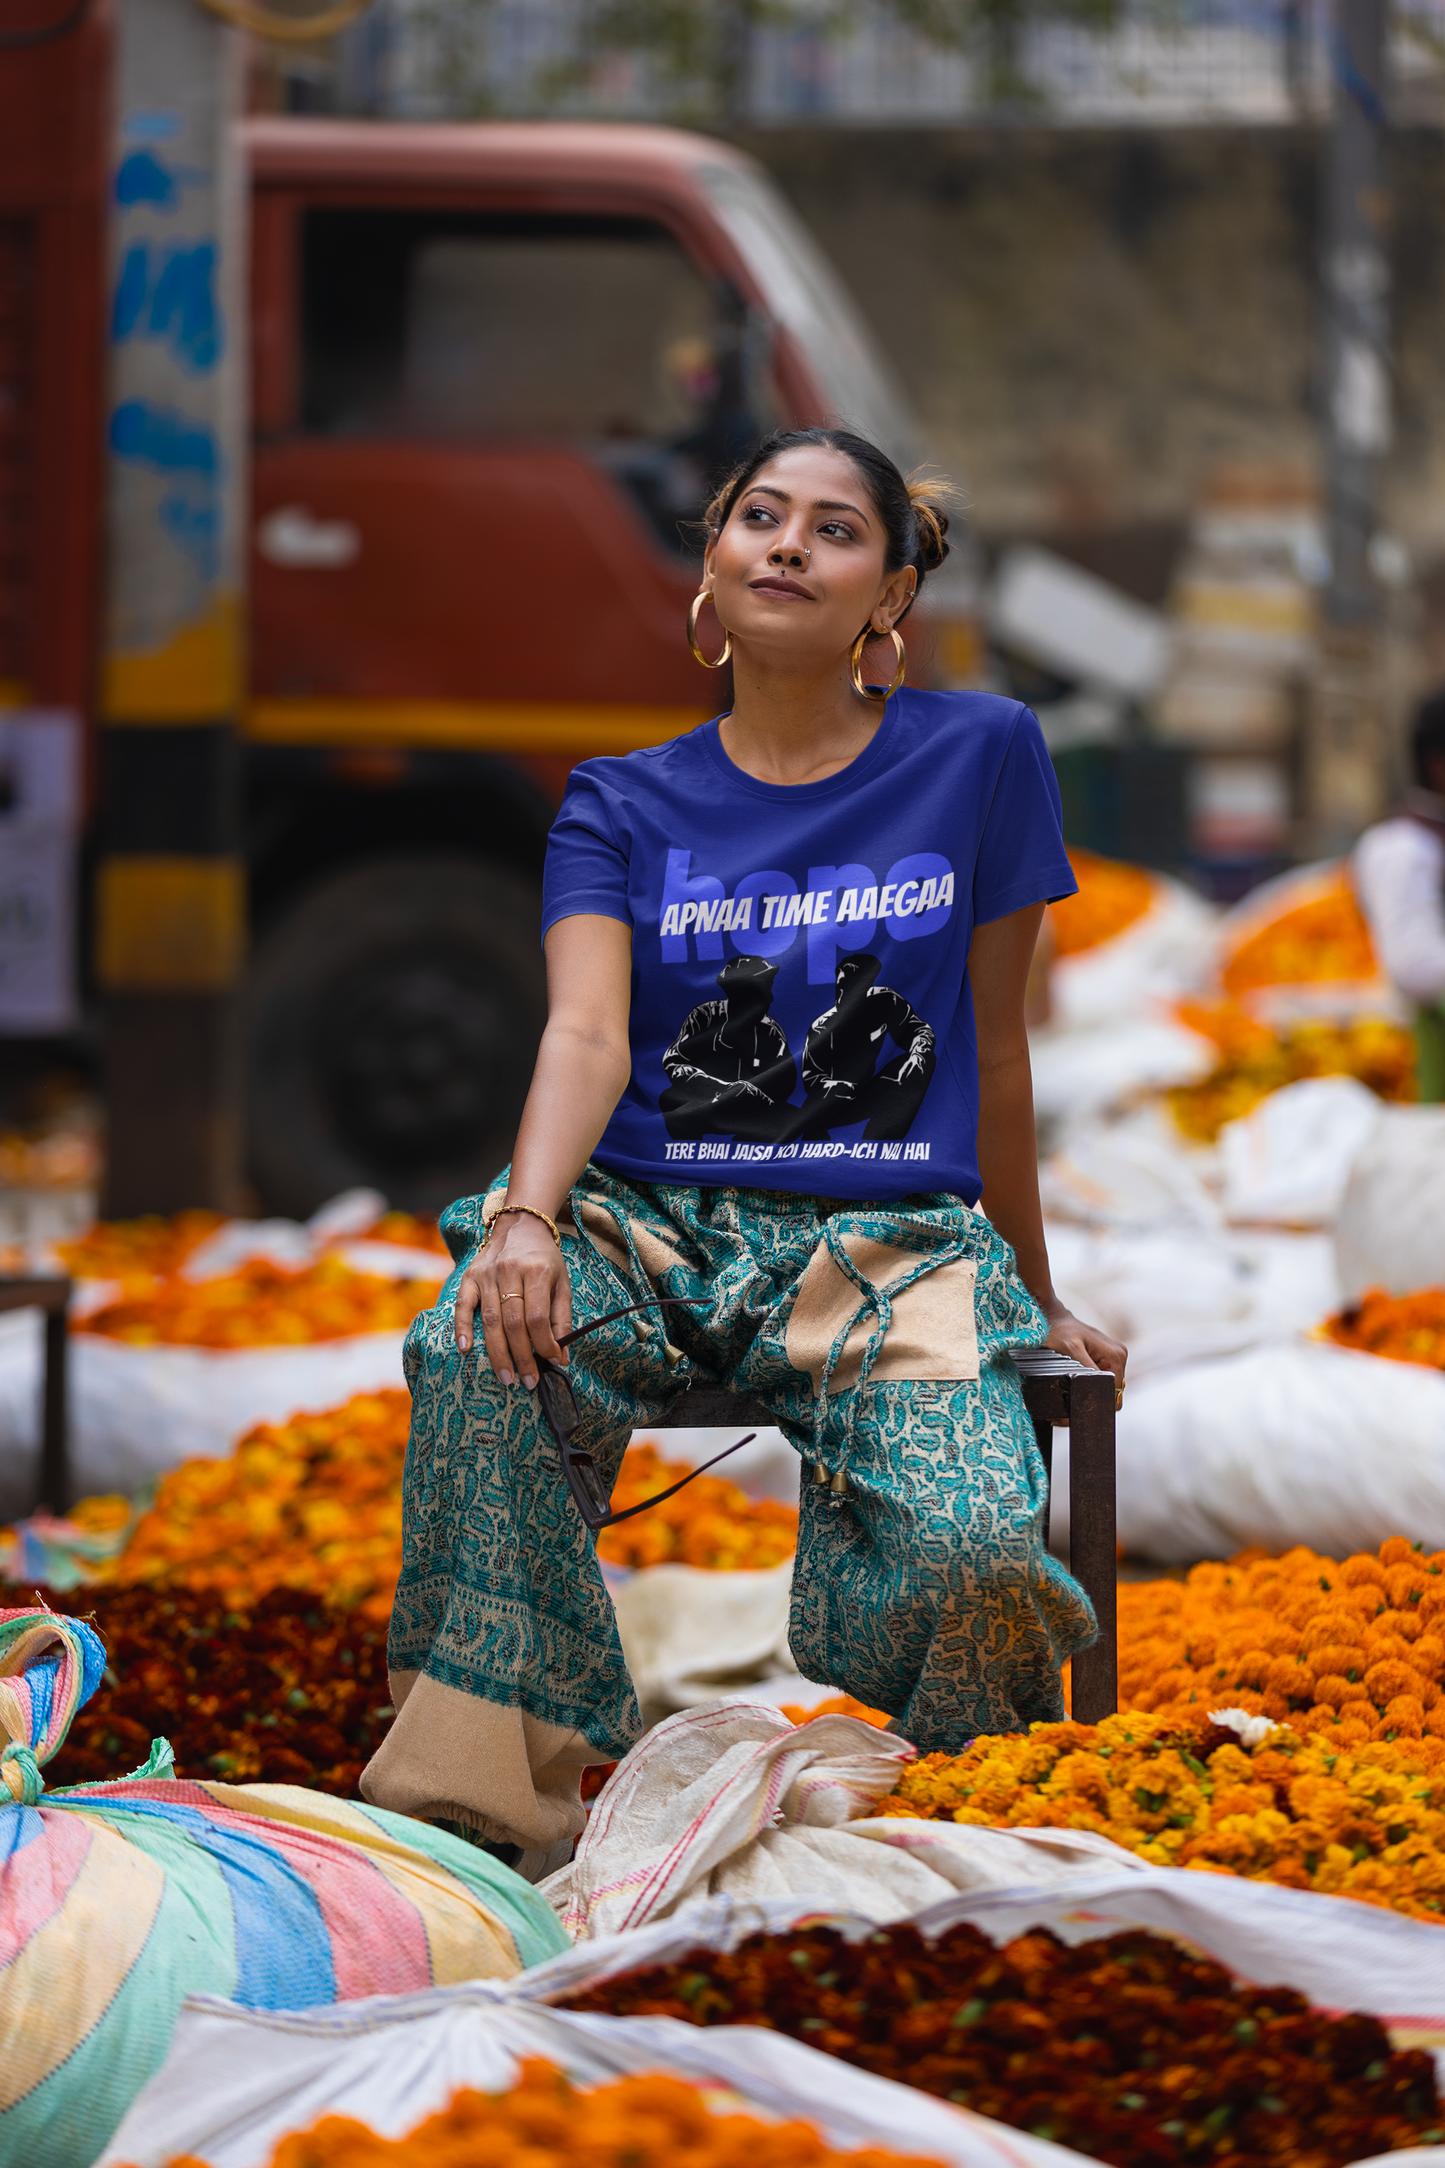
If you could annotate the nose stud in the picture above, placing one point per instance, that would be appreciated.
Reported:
(792, 555)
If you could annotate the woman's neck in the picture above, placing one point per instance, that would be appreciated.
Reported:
(795, 727)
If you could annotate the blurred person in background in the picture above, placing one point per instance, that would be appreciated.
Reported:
(829, 1260)
(1399, 877)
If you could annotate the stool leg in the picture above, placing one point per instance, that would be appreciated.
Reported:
(1044, 1437)
(1093, 1543)
(54, 1460)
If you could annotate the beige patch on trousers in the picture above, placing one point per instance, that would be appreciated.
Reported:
(934, 1332)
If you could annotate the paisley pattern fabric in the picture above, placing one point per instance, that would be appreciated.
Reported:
(925, 1590)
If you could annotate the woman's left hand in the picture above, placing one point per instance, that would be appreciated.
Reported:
(1088, 1344)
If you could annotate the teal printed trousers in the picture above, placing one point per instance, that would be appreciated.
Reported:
(876, 1336)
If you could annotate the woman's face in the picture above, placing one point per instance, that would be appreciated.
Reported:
(798, 568)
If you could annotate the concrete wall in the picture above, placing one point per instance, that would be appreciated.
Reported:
(1091, 323)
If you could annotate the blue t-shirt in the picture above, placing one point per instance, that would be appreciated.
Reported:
(801, 1014)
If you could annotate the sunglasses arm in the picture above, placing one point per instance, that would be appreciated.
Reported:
(673, 1488)
(654, 1302)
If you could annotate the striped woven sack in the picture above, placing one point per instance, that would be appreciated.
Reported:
(118, 1900)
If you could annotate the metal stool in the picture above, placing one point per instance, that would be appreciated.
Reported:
(1057, 1390)
(53, 1297)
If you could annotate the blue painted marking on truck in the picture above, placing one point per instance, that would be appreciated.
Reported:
(170, 297)
(159, 437)
(142, 178)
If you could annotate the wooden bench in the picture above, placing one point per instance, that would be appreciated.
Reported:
(52, 1296)
(1057, 1391)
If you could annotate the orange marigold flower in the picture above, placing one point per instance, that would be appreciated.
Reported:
(1361, 1568)
(1331, 1688)
(1384, 1681)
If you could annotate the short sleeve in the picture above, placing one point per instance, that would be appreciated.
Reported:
(1021, 856)
(586, 866)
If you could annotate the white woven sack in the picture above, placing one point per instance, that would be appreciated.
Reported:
(1084, 1072)
(1391, 1227)
(237, 2080)
(1288, 1160)
(691, 1635)
(733, 1801)
(1168, 952)
(1291, 1442)
(136, 1412)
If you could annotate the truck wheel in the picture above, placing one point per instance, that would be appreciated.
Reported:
(393, 1020)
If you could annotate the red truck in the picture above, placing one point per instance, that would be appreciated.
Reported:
(496, 369)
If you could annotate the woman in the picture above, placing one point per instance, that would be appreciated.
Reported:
(769, 946)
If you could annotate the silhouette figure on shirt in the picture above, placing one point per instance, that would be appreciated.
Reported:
(841, 1076)
(730, 1068)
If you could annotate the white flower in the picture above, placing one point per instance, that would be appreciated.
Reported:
(1252, 1731)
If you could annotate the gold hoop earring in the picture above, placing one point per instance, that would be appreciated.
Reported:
(727, 647)
(855, 663)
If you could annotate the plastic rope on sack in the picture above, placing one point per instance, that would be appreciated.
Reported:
(49, 1667)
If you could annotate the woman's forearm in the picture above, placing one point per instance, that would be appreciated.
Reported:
(583, 1063)
(578, 1080)
(1008, 1163)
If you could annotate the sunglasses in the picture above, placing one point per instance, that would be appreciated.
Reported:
(559, 1409)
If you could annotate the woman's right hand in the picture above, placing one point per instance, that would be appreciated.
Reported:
(519, 1289)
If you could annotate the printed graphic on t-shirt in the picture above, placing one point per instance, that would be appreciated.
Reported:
(731, 1072)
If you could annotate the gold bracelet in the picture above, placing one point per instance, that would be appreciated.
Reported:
(532, 1212)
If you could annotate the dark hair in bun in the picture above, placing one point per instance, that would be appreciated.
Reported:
(915, 523)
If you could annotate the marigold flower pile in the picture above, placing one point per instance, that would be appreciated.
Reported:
(138, 1251)
(289, 1691)
(1255, 1061)
(1404, 1328)
(712, 1523)
(310, 1504)
(411, 1233)
(1324, 937)
(545, 2121)
(1129, 2048)
(1354, 1651)
(1347, 1797)
(1111, 897)
(315, 1504)
(154, 1247)
(1364, 1821)
(259, 1305)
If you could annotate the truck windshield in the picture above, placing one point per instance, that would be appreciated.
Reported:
(805, 295)
(600, 332)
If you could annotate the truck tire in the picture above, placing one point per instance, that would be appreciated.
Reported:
(393, 1016)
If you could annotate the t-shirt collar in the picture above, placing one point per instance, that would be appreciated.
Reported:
(857, 771)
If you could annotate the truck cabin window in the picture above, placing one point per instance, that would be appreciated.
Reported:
(597, 333)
